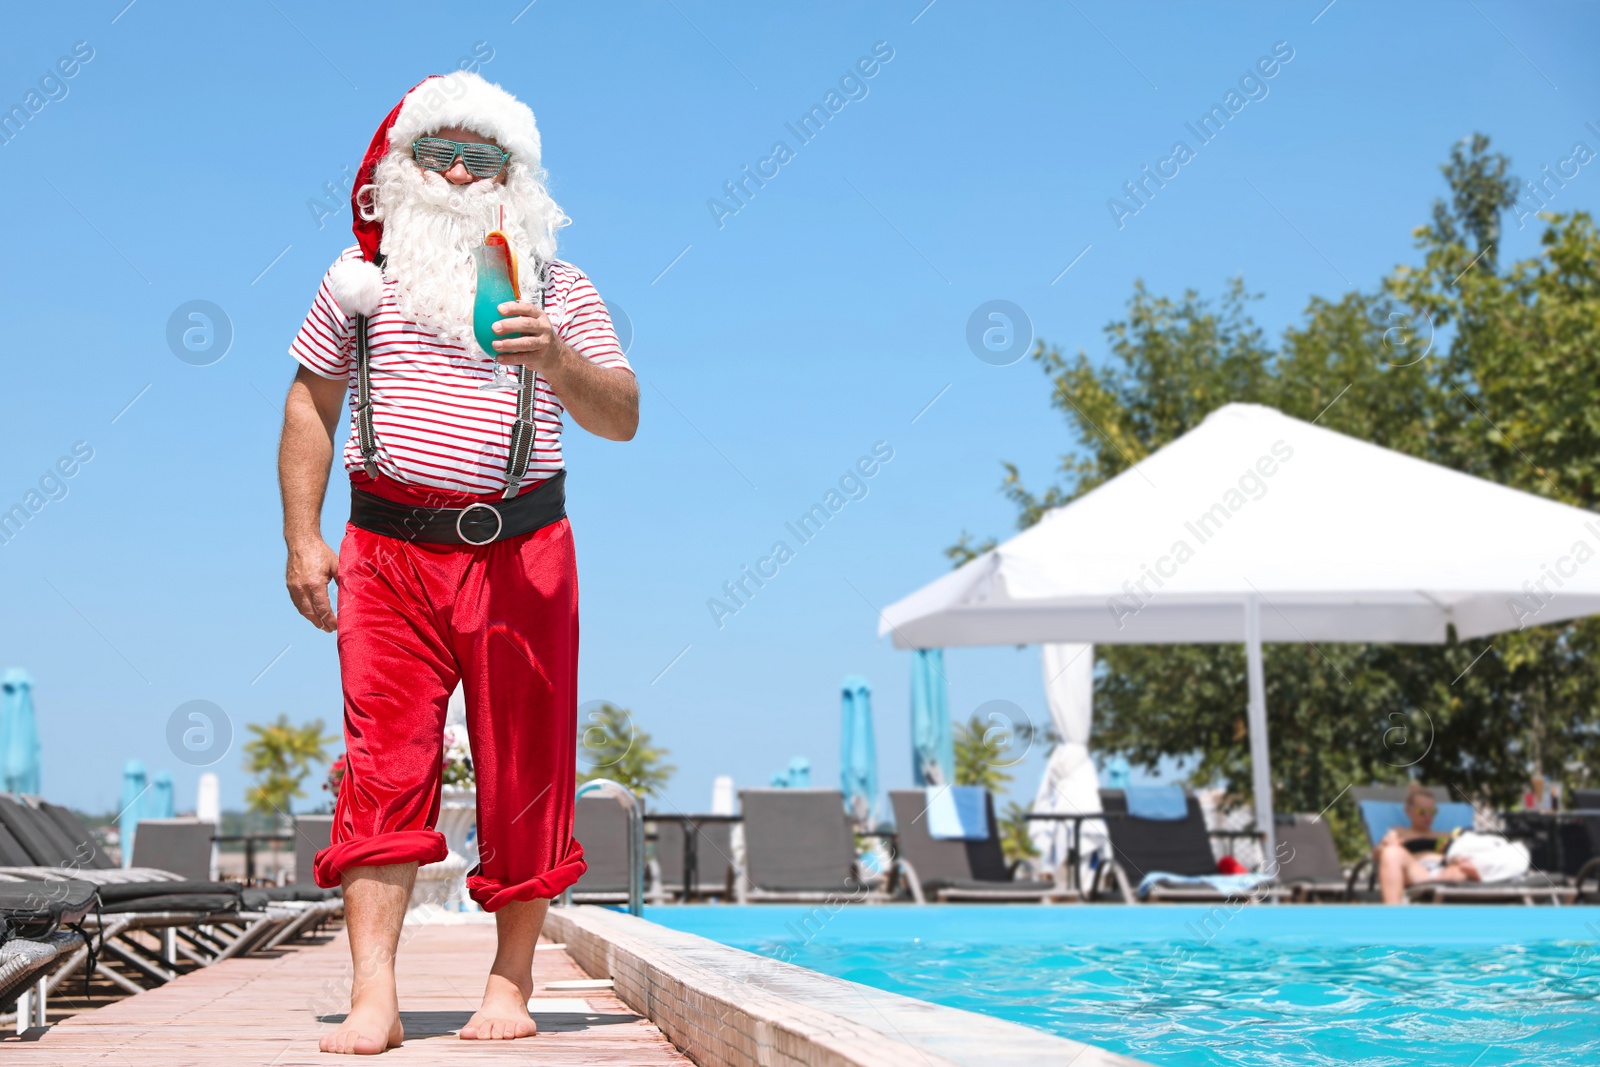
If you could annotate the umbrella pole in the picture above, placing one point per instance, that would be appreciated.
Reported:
(1260, 768)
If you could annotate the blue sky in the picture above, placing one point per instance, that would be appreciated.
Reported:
(182, 160)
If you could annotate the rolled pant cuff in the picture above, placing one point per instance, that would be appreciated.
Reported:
(380, 850)
(492, 894)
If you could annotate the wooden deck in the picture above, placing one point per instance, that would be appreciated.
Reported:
(272, 1009)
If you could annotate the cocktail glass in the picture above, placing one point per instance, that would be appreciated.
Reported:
(497, 284)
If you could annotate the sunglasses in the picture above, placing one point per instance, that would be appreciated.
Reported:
(438, 154)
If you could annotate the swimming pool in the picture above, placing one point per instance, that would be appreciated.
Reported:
(1195, 984)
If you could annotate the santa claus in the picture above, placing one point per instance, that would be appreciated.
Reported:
(456, 566)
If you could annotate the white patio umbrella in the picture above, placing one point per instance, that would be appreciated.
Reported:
(1254, 527)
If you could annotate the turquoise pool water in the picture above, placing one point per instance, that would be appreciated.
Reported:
(1191, 985)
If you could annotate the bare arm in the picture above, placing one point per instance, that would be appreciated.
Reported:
(603, 400)
(310, 415)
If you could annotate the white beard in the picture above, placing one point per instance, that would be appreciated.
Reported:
(430, 228)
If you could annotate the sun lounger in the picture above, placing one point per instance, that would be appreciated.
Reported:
(42, 839)
(1308, 861)
(12, 854)
(951, 870)
(1581, 844)
(50, 853)
(1142, 847)
(799, 846)
(600, 824)
(1373, 800)
(77, 835)
(182, 846)
(312, 834)
(1535, 887)
(207, 915)
(23, 962)
(270, 915)
(32, 938)
(203, 921)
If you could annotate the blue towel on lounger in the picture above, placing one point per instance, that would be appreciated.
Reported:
(1228, 885)
(1164, 802)
(957, 813)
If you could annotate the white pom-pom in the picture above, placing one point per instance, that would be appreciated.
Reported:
(356, 285)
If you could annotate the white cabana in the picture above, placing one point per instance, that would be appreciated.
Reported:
(1070, 785)
(1254, 527)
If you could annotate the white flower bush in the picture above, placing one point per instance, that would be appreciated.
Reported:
(458, 770)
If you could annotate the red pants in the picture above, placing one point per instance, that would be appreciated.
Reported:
(414, 619)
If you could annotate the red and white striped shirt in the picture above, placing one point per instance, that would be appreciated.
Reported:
(434, 426)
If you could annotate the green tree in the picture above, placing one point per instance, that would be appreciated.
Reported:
(611, 746)
(1015, 841)
(281, 755)
(1456, 361)
(982, 754)
(1481, 189)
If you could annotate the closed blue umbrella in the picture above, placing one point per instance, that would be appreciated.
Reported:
(858, 751)
(19, 734)
(159, 803)
(795, 776)
(134, 786)
(933, 749)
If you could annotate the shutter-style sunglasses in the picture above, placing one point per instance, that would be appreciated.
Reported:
(482, 160)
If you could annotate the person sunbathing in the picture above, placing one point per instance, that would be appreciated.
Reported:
(1401, 864)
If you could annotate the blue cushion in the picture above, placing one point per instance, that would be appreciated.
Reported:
(1381, 816)
(1453, 816)
(1165, 802)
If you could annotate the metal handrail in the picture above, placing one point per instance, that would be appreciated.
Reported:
(635, 806)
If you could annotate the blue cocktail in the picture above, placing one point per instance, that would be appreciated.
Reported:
(497, 284)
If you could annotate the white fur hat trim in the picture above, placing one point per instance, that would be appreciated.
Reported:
(465, 99)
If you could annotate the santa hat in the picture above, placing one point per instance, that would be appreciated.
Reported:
(461, 98)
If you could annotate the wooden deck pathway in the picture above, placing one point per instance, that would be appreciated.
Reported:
(272, 1009)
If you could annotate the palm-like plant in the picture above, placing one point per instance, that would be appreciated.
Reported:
(281, 755)
(611, 746)
(1015, 837)
(982, 754)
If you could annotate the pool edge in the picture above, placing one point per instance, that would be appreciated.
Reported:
(725, 1007)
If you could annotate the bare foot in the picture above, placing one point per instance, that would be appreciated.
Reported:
(504, 1014)
(372, 1026)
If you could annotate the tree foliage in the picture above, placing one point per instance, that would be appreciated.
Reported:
(281, 756)
(1456, 361)
(612, 746)
(983, 752)
(1015, 840)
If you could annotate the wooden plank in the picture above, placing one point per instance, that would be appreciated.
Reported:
(272, 1009)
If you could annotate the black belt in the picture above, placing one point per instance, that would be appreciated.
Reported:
(475, 524)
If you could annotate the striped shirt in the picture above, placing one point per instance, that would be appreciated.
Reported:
(434, 426)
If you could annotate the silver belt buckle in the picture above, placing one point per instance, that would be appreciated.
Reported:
(499, 523)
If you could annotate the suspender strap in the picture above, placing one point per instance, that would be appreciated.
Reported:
(522, 430)
(518, 454)
(365, 437)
